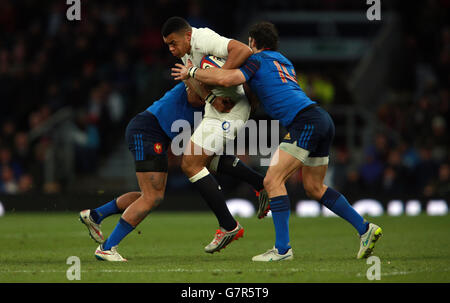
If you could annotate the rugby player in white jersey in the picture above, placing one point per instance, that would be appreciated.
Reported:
(220, 124)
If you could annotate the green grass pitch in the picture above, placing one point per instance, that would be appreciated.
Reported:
(168, 247)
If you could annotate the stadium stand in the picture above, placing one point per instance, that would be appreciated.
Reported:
(68, 89)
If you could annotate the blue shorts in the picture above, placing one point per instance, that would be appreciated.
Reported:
(148, 143)
(310, 136)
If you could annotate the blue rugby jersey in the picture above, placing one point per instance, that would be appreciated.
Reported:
(173, 106)
(272, 77)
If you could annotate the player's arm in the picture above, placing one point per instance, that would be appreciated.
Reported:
(251, 96)
(193, 97)
(238, 53)
(218, 76)
(210, 76)
(211, 43)
(222, 104)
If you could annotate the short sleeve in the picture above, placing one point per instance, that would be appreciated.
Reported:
(250, 67)
(209, 42)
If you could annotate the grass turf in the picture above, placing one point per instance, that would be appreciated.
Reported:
(168, 247)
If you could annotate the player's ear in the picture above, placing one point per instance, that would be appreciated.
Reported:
(188, 35)
(251, 42)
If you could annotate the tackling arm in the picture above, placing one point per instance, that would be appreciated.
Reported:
(210, 76)
(221, 77)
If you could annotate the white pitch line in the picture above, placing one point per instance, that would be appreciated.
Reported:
(404, 273)
(153, 270)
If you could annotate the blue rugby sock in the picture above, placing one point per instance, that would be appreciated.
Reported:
(122, 229)
(280, 207)
(338, 204)
(104, 211)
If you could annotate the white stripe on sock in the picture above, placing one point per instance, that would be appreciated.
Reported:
(201, 174)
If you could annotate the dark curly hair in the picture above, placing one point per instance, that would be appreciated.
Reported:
(265, 35)
(174, 25)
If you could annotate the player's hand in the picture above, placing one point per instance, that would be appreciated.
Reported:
(223, 105)
(180, 72)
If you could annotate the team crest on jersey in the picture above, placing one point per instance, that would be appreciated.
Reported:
(157, 147)
(226, 126)
(288, 136)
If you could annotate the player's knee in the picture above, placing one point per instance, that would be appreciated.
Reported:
(157, 200)
(135, 195)
(271, 183)
(313, 191)
(191, 167)
(186, 166)
(152, 201)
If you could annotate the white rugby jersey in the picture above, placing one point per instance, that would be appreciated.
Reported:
(205, 41)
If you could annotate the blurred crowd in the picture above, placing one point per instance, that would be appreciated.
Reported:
(113, 63)
(104, 68)
(410, 155)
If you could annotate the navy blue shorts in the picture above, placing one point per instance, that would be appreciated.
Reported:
(310, 136)
(148, 143)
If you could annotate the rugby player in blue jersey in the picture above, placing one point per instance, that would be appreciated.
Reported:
(149, 135)
(272, 78)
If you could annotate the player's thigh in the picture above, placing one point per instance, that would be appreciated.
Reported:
(321, 142)
(148, 143)
(309, 136)
(316, 164)
(282, 166)
(194, 159)
(213, 135)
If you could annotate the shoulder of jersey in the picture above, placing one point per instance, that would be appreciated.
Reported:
(211, 61)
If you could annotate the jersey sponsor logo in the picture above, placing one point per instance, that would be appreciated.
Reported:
(157, 147)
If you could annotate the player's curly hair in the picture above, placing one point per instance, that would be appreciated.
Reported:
(174, 25)
(265, 35)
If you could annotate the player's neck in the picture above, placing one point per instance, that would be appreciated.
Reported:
(255, 50)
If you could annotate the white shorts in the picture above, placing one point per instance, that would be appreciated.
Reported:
(219, 129)
(213, 134)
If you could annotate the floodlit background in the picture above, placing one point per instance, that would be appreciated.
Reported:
(69, 88)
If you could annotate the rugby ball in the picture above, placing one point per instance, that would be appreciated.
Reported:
(211, 61)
